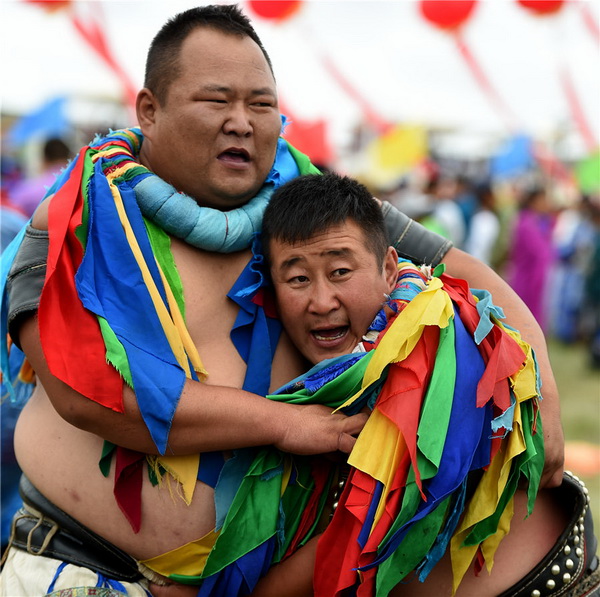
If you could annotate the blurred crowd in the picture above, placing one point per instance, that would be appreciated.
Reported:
(544, 244)
(26, 181)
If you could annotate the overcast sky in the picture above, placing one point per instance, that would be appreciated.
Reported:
(406, 69)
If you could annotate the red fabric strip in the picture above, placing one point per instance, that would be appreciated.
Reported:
(129, 468)
(70, 335)
(320, 474)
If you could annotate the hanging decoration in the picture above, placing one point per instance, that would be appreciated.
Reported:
(274, 10)
(547, 8)
(589, 20)
(447, 14)
(542, 7)
(451, 16)
(577, 111)
(50, 5)
(380, 124)
(92, 32)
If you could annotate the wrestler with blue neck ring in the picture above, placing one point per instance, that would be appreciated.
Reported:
(210, 123)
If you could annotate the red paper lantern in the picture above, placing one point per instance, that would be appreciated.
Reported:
(447, 14)
(542, 7)
(50, 5)
(273, 9)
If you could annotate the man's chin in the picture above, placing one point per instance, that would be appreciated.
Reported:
(228, 200)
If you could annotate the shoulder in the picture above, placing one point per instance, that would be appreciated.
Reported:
(40, 216)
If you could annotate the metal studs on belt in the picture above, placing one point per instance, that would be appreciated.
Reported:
(337, 494)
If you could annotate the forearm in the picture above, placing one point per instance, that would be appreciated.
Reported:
(207, 417)
(478, 275)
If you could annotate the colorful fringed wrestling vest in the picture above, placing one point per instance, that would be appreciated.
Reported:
(453, 430)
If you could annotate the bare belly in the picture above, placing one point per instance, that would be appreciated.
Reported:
(62, 462)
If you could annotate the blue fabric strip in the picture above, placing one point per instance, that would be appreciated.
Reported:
(108, 281)
(467, 434)
(366, 528)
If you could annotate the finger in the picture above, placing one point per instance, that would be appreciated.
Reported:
(354, 424)
(346, 443)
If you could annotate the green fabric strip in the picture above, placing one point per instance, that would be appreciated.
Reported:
(302, 161)
(335, 392)
(161, 247)
(108, 450)
(253, 514)
(88, 167)
(406, 558)
(437, 406)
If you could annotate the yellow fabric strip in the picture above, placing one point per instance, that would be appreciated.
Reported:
(189, 346)
(481, 505)
(490, 545)
(525, 380)
(171, 331)
(184, 469)
(188, 560)
(485, 501)
(378, 452)
(430, 307)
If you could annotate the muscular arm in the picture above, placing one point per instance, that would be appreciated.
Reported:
(207, 417)
(461, 265)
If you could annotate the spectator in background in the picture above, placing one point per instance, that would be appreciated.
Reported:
(574, 242)
(12, 219)
(27, 195)
(484, 226)
(591, 308)
(531, 252)
(466, 199)
(442, 193)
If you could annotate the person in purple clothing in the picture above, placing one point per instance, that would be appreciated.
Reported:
(28, 193)
(532, 253)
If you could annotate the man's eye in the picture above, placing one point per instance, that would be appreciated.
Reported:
(298, 280)
(340, 272)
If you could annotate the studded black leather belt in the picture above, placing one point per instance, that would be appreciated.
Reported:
(572, 561)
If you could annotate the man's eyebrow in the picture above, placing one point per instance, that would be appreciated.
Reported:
(225, 89)
(343, 252)
(288, 263)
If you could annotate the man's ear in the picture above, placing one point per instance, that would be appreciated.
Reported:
(146, 107)
(390, 268)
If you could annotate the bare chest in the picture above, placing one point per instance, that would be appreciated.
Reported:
(210, 315)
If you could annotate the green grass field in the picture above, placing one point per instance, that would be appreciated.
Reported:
(579, 387)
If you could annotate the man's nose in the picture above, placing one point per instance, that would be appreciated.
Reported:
(323, 299)
(238, 120)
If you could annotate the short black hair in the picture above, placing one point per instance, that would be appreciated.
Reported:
(162, 62)
(313, 203)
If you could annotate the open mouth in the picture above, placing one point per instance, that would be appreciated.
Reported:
(329, 335)
(234, 156)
